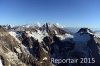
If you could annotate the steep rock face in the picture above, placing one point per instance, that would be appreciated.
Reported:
(52, 29)
(81, 39)
(60, 49)
(36, 47)
(87, 45)
(43, 51)
(12, 52)
(94, 45)
(83, 45)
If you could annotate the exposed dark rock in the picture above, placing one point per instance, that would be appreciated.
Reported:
(31, 52)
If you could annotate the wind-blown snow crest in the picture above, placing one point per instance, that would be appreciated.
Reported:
(66, 36)
(59, 25)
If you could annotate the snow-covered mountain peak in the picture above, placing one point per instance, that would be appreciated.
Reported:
(33, 46)
(39, 24)
(85, 30)
(83, 35)
(58, 25)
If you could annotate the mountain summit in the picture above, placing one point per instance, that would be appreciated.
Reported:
(35, 46)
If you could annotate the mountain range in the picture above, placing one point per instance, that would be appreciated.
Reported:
(36, 45)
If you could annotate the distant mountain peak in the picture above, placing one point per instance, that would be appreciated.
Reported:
(85, 30)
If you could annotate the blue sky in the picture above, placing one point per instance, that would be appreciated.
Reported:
(72, 13)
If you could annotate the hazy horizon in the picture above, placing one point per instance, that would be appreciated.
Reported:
(70, 13)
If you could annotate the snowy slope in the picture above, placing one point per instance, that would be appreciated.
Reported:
(39, 35)
(1, 63)
(97, 34)
(66, 36)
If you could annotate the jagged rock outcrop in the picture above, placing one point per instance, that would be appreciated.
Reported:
(52, 29)
(87, 45)
(37, 49)
(35, 46)
(12, 52)
(84, 45)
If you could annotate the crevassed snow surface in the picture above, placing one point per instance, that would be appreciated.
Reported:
(1, 63)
